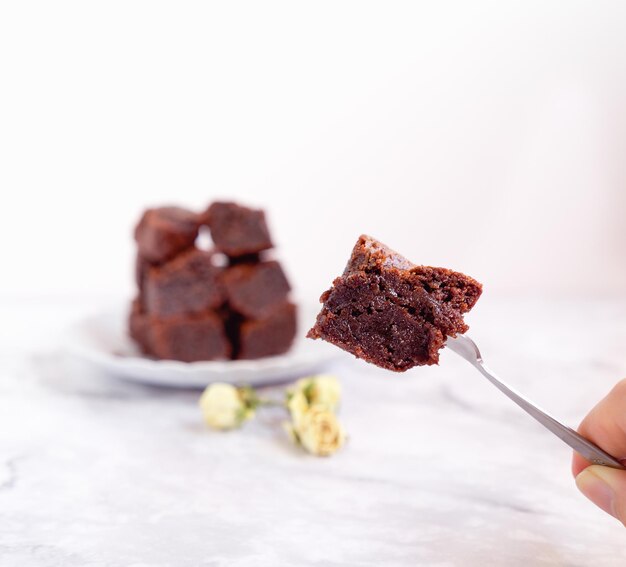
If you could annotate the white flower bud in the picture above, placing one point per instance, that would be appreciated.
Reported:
(224, 406)
(319, 431)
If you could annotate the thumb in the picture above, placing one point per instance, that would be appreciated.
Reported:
(606, 488)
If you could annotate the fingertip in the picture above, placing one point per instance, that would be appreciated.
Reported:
(606, 488)
(596, 489)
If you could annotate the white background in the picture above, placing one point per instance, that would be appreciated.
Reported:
(487, 137)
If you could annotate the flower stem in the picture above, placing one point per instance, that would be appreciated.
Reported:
(270, 402)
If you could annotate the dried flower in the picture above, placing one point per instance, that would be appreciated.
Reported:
(318, 431)
(226, 407)
(323, 390)
(311, 403)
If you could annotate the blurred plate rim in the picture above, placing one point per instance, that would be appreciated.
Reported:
(91, 338)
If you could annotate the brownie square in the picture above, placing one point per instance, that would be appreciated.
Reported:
(188, 284)
(165, 231)
(255, 290)
(189, 339)
(391, 312)
(236, 230)
(270, 336)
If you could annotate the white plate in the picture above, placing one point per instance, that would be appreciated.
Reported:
(103, 343)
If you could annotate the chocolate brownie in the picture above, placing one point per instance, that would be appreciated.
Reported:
(391, 312)
(236, 230)
(203, 298)
(254, 290)
(189, 338)
(190, 283)
(163, 232)
(269, 336)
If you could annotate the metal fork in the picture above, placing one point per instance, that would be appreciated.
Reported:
(467, 349)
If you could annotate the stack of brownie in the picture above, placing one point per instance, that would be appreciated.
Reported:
(230, 301)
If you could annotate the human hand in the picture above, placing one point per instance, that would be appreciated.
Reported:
(605, 425)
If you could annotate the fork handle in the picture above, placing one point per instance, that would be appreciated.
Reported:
(467, 349)
(584, 447)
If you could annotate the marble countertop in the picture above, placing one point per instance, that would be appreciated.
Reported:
(440, 468)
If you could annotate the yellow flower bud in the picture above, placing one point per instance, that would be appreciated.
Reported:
(223, 406)
(297, 405)
(326, 391)
(322, 389)
(319, 431)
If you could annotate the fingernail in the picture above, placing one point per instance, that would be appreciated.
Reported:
(594, 483)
